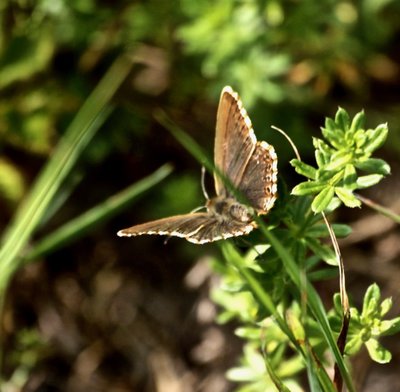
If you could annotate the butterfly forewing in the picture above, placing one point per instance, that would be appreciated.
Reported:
(198, 228)
(180, 226)
(234, 140)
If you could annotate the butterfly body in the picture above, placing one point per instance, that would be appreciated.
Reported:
(251, 168)
(229, 209)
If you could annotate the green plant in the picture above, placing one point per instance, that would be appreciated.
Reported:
(348, 148)
(268, 289)
(368, 325)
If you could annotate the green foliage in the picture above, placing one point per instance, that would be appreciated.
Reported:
(12, 185)
(267, 289)
(259, 45)
(29, 349)
(252, 372)
(231, 37)
(367, 326)
(347, 148)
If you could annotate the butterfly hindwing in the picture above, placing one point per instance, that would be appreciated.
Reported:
(258, 183)
(251, 166)
(219, 229)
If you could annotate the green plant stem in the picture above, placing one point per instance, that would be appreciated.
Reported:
(377, 207)
(314, 301)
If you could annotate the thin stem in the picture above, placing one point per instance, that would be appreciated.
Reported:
(377, 207)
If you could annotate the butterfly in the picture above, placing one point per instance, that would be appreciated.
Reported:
(251, 168)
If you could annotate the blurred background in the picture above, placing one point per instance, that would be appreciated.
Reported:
(103, 313)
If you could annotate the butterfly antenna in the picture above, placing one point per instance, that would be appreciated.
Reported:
(203, 188)
(203, 183)
(289, 140)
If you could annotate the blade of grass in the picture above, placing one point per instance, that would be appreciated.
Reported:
(29, 214)
(190, 145)
(313, 300)
(187, 142)
(232, 256)
(75, 228)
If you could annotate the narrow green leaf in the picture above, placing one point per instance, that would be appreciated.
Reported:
(347, 197)
(368, 181)
(371, 298)
(321, 231)
(334, 136)
(376, 137)
(339, 160)
(304, 169)
(341, 230)
(334, 203)
(337, 304)
(249, 333)
(322, 274)
(334, 180)
(358, 122)
(350, 177)
(342, 119)
(323, 251)
(322, 200)
(353, 345)
(321, 158)
(274, 377)
(319, 144)
(385, 306)
(307, 188)
(322, 152)
(359, 139)
(377, 352)
(374, 165)
(390, 327)
(330, 124)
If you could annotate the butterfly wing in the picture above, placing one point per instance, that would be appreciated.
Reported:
(259, 181)
(234, 140)
(198, 228)
(218, 229)
(251, 166)
(182, 226)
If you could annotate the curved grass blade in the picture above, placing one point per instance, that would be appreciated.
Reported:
(81, 130)
(80, 225)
